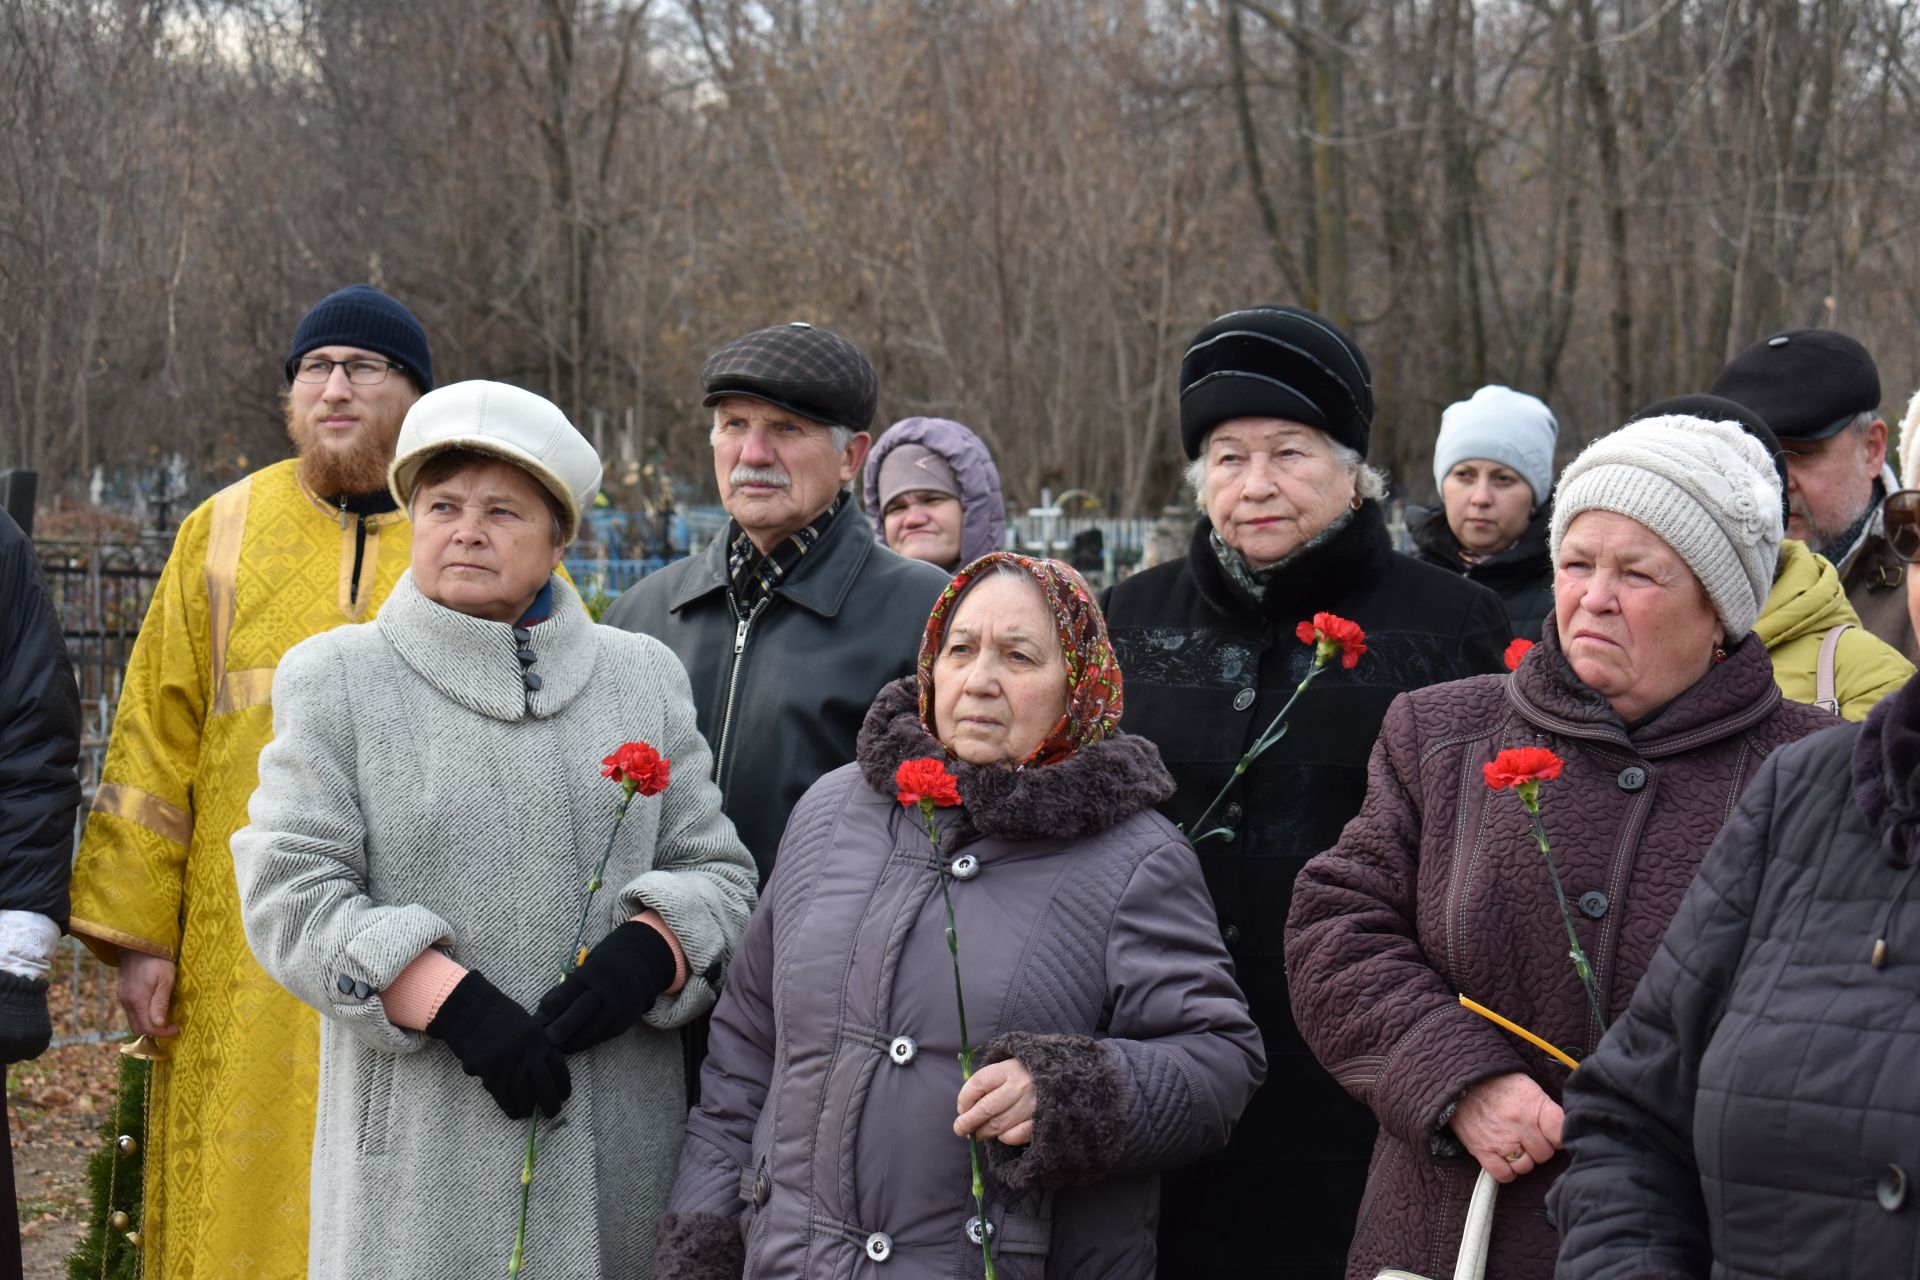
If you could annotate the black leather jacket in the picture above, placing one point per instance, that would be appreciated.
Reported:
(780, 695)
(39, 738)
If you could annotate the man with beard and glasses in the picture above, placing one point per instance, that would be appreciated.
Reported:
(292, 550)
(1820, 393)
(792, 620)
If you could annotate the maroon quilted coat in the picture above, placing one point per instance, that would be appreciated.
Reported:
(1435, 890)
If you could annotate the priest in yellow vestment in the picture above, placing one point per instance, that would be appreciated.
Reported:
(292, 550)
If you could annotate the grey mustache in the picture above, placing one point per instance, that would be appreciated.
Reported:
(744, 474)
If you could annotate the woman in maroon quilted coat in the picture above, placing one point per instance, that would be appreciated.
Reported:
(1650, 688)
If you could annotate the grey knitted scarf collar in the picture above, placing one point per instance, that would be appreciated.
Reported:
(475, 662)
(1254, 581)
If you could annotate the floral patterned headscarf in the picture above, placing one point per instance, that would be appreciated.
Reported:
(1093, 675)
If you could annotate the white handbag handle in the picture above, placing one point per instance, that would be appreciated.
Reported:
(1479, 1230)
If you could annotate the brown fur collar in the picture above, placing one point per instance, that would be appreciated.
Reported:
(1097, 788)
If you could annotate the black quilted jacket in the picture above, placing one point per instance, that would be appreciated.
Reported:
(1757, 1112)
(39, 738)
(1522, 574)
(1436, 890)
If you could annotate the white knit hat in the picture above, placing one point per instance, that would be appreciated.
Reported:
(508, 422)
(1707, 489)
(1501, 425)
(1910, 445)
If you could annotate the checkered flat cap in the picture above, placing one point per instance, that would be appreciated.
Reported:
(815, 373)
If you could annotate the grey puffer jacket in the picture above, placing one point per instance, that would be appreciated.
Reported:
(823, 1145)
(983, 508)
(1757, 1111)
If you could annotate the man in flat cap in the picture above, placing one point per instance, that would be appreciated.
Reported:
(294, 549)
(1820, 393)
(794, 618)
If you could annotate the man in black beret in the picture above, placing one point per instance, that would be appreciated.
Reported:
(789, 623)
(1820, 393)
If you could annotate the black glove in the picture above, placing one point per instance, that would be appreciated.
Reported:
(612, 991)
(500, 1042)
(25, 1028)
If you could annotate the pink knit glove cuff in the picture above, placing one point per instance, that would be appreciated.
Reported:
(653, 920)
(416, 995)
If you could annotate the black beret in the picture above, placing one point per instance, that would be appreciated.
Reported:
(1721, 409)
(1275, 362)
(1807, 383)
(815, 373)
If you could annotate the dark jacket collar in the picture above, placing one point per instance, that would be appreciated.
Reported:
(1732, 697)
(1886, 773)
(1357, 552)
(1526, 558)
(820, 581)
(1098, 787)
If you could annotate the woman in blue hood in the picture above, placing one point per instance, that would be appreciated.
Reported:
(933, 493)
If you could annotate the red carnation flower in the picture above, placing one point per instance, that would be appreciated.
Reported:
(1330, 634)
(1516, 651)
(1517, 766)
(638, 767)
(926, 781)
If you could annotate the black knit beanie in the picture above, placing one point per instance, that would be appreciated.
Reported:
(362, 316)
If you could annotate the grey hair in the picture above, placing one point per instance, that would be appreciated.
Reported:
(1369, 481)
(1861, 421)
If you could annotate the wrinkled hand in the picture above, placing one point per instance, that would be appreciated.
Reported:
(997, 1103)
(498, 1041)
(1508, 1124)
(611, 991)
(146, 993)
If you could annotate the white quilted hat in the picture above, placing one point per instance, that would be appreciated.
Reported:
(512, 424)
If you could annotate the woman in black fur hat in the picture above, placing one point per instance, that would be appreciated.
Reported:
(1276, 409)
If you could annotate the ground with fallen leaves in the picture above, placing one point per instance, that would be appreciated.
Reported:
(55, 1105)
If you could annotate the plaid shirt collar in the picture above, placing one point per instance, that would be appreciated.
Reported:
(751, 577)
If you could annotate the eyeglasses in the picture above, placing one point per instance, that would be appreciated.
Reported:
(360, 371)
(1900, 524)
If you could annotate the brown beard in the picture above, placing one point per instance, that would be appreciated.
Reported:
(332, 473)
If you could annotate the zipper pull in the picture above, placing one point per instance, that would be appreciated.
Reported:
(740, 636)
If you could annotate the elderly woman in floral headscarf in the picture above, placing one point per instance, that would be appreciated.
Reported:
(1112, 1040)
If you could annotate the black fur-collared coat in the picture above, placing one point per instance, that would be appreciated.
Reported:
(1207, 668)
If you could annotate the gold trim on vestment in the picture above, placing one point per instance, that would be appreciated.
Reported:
(356, 609)
(242, 689)
(224, 536)
(169, 822)
(119, 938)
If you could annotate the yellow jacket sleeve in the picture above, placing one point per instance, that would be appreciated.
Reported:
(129, 873)
(1865, 670)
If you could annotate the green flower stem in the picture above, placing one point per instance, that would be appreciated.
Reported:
(518, 1261)
(966, 1043)
(1575, 951)
(1274, 732)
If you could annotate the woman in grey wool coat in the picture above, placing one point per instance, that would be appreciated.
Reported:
(1114, 1043)
(428, 816)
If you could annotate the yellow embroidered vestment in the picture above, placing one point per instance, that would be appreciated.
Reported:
(255, 570)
